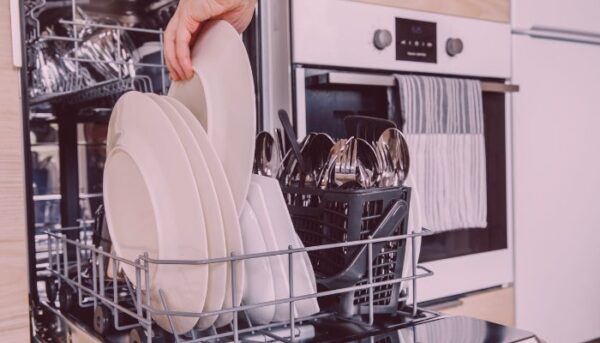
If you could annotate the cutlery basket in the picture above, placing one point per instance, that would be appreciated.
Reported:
(342, 215)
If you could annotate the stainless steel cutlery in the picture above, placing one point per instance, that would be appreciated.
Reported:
(351, 163)
(267, 155)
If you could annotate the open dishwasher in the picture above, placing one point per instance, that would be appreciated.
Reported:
(81, 57)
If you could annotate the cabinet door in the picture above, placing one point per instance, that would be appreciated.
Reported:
(14, 316)
(556, 185)
(581, 15)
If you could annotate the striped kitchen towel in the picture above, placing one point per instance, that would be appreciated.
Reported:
(443, 124)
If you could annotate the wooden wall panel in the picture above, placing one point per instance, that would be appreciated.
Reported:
(494, 10)
(14, 308)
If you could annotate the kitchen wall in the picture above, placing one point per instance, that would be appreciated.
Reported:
(495, 10)
(14, 316)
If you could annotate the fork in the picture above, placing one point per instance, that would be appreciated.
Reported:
(345, 168)
(388, 177)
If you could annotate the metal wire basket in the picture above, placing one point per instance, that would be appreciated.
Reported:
(84, 284)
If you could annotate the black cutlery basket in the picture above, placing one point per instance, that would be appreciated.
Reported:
(344, 215)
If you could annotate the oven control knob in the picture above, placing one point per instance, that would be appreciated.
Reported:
(382, 39)
(454, 46)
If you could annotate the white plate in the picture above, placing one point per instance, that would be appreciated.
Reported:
(161, 214)
(311, 272)
(221, 96)
(124, 174)
(217, 272)
(283, 230)
(279, 263)
(233, 235)
(259, 277)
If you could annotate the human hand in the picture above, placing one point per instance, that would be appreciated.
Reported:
(186, 23)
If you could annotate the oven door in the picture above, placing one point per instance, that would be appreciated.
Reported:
(464, 260)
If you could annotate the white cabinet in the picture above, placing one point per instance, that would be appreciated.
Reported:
(556, 146)
(581, 15)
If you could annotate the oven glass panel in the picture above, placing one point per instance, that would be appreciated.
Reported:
(326, 106)
(494, 237)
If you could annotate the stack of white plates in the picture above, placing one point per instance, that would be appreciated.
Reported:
(177, 173)
(267, 226)
(178, 186)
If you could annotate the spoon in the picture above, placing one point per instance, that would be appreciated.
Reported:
(267, 158)
(367, 171)
(393, 151)
(337, 151)
(315, 154)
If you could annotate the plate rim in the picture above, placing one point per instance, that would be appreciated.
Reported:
(278, 262)
(201, 273)
(246, 208)
(229, 212)
(211, 71)
(304, 266)
(217, 273)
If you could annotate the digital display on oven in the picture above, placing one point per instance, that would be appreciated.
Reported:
(416, 41)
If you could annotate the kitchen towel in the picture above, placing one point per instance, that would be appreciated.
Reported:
(443, 124)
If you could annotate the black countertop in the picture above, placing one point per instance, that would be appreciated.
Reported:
(440, 329)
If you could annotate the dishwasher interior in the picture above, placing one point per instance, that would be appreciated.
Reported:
(80, 57)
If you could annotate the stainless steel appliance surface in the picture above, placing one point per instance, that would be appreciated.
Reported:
(328, 65)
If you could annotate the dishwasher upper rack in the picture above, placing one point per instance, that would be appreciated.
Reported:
(76, 92)
(85, 284)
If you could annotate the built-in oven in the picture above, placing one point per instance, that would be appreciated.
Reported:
(329, 65)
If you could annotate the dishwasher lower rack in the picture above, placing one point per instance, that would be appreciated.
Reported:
(107, 302)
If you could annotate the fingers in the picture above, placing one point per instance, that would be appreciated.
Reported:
(182, 50)
(184, 26)
(180, 30)
(170, 51)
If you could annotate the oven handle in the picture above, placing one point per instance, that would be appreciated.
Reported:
(349, 78)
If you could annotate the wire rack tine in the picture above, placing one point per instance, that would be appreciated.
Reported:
(414, 281)
(164, 305)
(291, 283)
(147, 283)
(233, 300)
(370, 276)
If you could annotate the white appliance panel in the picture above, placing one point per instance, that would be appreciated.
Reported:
(328, 32)
(464, 274)
(581, 15)
(275, 61)
(556, 187)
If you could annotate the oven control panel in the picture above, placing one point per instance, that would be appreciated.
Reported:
(360, 35)
(416, 40)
